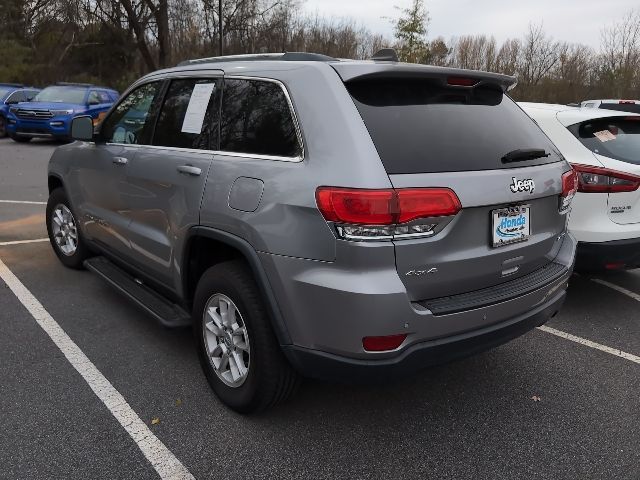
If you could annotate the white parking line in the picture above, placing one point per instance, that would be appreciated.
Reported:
(20, 242)
(164, 462)
(23, 201)
(628, 293)
(590, 344)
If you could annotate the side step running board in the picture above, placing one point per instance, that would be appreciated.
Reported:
(168, 314)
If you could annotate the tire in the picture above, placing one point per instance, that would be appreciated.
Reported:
(20, 138)
(269, 379)
(58, 207)
(3, 127)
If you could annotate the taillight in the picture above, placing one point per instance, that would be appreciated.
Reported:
(569, 189)
(603, 180)
(363, 214)
(416, 203)
(462, 81)
(356, 206)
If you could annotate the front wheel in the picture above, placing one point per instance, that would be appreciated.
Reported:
(238, 350)
(64, 234)
(3, 127)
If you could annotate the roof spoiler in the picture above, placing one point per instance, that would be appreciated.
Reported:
(454, 77)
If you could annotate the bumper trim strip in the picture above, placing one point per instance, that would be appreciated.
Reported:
(496, 294)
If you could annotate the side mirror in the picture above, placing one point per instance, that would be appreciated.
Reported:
(82, 128)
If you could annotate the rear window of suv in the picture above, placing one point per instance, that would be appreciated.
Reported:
(613, 137)
(420, 126)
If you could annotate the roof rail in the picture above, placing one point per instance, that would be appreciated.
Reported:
(286, 56)
(385, 55)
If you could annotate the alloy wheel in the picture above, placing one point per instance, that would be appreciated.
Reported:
(226, 340)
(65, 232)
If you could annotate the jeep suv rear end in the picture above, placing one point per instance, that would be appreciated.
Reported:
(321, 217)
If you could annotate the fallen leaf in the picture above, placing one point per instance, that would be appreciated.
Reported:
(178, 402)
(155, 421)
(536, 398)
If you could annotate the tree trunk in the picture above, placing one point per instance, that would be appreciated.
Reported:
(139, 31)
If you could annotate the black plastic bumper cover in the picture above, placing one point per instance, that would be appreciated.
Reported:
(326, 366)
(591, 256)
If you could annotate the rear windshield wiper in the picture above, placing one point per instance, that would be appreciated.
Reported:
(523, 154)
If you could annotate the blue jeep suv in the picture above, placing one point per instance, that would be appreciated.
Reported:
(11, 94)
(51, 111)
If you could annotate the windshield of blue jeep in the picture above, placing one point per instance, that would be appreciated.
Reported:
(61, 95)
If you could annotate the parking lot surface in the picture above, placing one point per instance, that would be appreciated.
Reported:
(542, 406)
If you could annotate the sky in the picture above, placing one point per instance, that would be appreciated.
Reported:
(577, 21)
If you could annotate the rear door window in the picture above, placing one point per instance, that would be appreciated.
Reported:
(256, 119)
(613, 137)
(175, 129)
(421, 126)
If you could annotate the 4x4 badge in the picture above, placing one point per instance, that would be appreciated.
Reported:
(527, 185)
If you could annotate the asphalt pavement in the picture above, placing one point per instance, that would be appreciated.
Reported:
(542, 406)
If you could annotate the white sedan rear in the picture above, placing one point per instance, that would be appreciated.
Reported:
(604, 148)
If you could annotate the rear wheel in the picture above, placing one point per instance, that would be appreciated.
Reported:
(64, 234)
(21, 138)
(238, 350)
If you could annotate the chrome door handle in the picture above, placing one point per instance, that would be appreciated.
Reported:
(120, 160)
(189, 170)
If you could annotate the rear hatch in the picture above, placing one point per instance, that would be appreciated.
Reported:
(452, 128)
(615, 143)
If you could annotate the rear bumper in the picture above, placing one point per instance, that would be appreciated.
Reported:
(328, 308)
(326, 366)
(605, 255)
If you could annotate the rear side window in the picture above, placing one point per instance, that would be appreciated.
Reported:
(421, 126)
(189, 115)
(256, 119)
(614, 137)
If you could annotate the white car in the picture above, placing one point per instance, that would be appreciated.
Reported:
(613, 104)
(604, 148)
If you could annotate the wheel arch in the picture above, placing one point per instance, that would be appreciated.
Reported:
(53, 182)
(205, 247)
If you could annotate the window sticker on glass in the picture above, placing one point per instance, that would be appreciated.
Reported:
(604, 135)
(197, 108)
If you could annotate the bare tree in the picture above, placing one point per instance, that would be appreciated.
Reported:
(539, 56)
(620, 59)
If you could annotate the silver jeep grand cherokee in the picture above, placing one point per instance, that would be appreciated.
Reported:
(319, 217)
